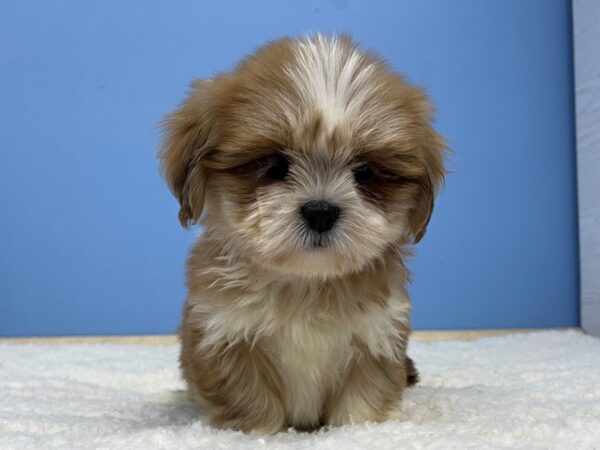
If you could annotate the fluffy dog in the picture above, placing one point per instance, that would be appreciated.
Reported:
(313, 168)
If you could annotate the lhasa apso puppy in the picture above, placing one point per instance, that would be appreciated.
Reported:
(313, 168)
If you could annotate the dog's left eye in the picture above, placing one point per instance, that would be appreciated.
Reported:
(278, 169)
(363, 174)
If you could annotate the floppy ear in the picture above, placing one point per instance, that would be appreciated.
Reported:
(432, 147)
(186, 142)
(421, 213)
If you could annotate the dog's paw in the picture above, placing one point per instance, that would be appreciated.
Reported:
(269, 422)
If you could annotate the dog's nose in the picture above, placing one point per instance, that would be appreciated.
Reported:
(320, 215)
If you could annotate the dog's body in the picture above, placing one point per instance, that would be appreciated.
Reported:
(316, 168)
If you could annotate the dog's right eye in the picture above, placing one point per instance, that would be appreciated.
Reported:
(363, 174)
(278, 168)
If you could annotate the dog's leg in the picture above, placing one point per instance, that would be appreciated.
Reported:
(250, 392)
(238, 381)
(370, 393)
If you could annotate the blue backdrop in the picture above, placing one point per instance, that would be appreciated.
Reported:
(90, 242)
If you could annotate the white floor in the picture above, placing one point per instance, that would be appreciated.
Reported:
(539, 390)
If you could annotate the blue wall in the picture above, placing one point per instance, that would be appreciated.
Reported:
(89, 238)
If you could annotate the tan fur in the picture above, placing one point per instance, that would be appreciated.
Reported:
(278, 332)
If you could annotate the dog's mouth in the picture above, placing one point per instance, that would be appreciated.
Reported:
(319, 241)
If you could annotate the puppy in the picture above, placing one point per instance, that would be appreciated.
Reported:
(313, 168)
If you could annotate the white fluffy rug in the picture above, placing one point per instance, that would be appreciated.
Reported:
(539, 390)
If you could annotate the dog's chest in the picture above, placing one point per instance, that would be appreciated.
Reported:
(310, 359)
(313, 353)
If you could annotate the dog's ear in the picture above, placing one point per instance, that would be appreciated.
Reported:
(421, 213)
(186, 142)
(431, 148)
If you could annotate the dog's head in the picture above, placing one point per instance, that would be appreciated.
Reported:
(311, 158)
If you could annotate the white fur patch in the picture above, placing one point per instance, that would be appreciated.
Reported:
(330, 78)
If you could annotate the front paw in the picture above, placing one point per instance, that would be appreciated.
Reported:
(267, 421)
(353, 411)
(359, 417)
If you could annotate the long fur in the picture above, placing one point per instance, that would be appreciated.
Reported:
(279, 331)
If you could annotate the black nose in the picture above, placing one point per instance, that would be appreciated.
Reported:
(320, 215)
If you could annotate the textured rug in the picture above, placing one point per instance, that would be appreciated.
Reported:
(539, 390)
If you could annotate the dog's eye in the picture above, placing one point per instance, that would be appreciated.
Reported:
(278, 169)
(363, 174)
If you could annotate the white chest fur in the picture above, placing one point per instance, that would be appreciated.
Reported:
(312, 355)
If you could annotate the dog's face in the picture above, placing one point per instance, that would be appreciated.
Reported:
(311, 158)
